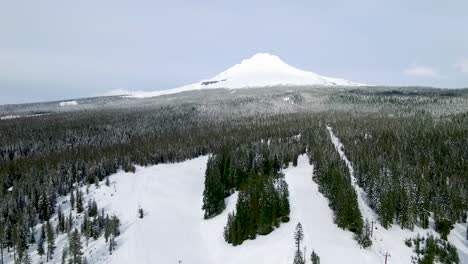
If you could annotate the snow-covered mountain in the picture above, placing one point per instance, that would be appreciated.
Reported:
(261, 70)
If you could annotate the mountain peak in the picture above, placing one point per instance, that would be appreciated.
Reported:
(260, 70)
(263, 58)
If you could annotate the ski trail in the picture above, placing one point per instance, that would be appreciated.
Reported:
(366, 211)
(384, 240)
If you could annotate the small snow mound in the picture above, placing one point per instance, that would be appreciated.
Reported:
(68, 103)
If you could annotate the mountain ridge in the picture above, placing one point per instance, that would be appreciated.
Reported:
(260, 70)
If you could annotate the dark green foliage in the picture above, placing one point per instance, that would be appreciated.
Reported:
(92, 208)
(410, 165)
(364, 238)
(213, 195)
(75, 247)
(64, 255)
(61, 220)
(50, 241)
(408, 148)
(263, 200)
(315, 258)
(443, 226)
(40, 244)
(79, 201)
(334, 181)
(433, 250)
(298, 237)
(141, 213)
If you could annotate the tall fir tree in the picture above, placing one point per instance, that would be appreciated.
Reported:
(74, 245)
(50, 241)
(40, 244)
(315, 258)
(79, 201)
(298, 237)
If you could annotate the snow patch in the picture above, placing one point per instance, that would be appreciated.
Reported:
(391, 240)
(68, 103)
(8, 117)
(261, 70)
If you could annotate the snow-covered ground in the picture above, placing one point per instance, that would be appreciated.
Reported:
(261, 70)
(68, 103)
(173, 229)
(8, 117)
(390, 240)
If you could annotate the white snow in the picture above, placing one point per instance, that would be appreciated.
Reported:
(261, 70)
(457, 237)
(391, 240)
(9, 117)
(173, 228)
(68, 103)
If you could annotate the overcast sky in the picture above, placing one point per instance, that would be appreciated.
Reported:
(51, 50)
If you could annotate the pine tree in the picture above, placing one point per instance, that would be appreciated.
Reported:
(64, 255)
(74, 245)
(298, 259)
(26, 259)
(72, 200)
(79, 201)
(141, 214)
(364, 238)
(107, 228)
(315, 258)
(69, 222)
(213, 195)
(40, 244)
(50, 240)
(61, 220)
(298, 237)
(2, 238)
(112, 244)
(466, 232)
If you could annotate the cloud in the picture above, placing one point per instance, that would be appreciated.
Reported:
(462, 65)
(421, 71)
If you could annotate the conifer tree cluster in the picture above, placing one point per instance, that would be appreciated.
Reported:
(261, 206)
(433, 250)
(410, 166)
(407, 146)
(253, 170)
(334, 181)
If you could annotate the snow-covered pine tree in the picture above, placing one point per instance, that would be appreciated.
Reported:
(72, 200)
(26, 258)
(61, 220)
(79, 201)
(364, 238)
(298, 237)
(2, 238)
(50, 240)
(315, 258)
(74, 245)
(64, 255)
(40, 244)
